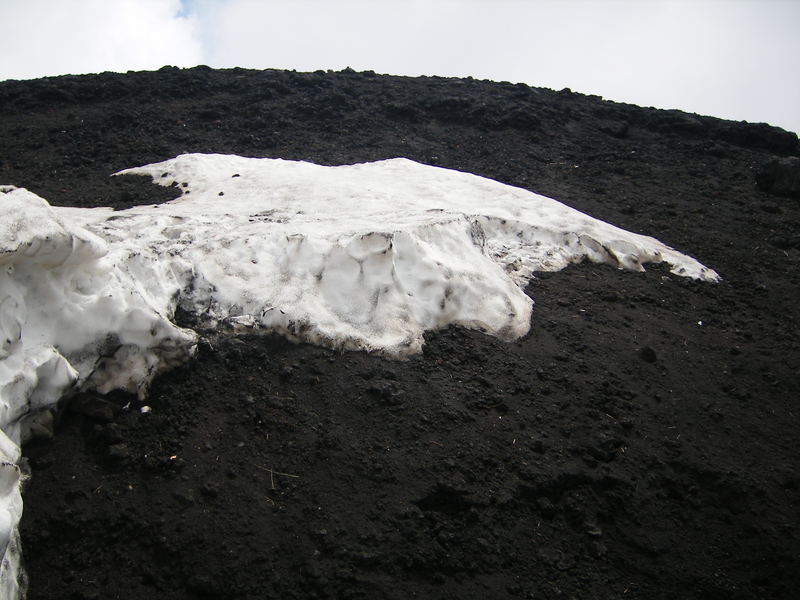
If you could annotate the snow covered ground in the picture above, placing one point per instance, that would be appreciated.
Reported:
(366, 256)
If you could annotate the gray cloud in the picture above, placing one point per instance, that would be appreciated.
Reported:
(733, 59)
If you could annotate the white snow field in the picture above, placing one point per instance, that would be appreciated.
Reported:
(366, 256)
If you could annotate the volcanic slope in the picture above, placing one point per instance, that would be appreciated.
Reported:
(638, 441)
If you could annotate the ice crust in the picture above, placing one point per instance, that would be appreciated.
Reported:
(366, 256)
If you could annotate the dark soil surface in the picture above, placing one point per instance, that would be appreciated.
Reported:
(640, 442)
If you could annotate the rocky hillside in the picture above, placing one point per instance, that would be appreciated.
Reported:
(639, 442)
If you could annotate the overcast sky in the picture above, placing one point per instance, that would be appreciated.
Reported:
(736, 59)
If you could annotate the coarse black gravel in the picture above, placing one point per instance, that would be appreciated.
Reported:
(640, 442)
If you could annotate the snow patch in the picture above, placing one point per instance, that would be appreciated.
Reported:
(366, 256)
(69, 318)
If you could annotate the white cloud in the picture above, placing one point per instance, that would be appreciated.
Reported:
(729, 58)
(44, 37)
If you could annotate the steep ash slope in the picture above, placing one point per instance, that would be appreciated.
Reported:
(638, 441)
